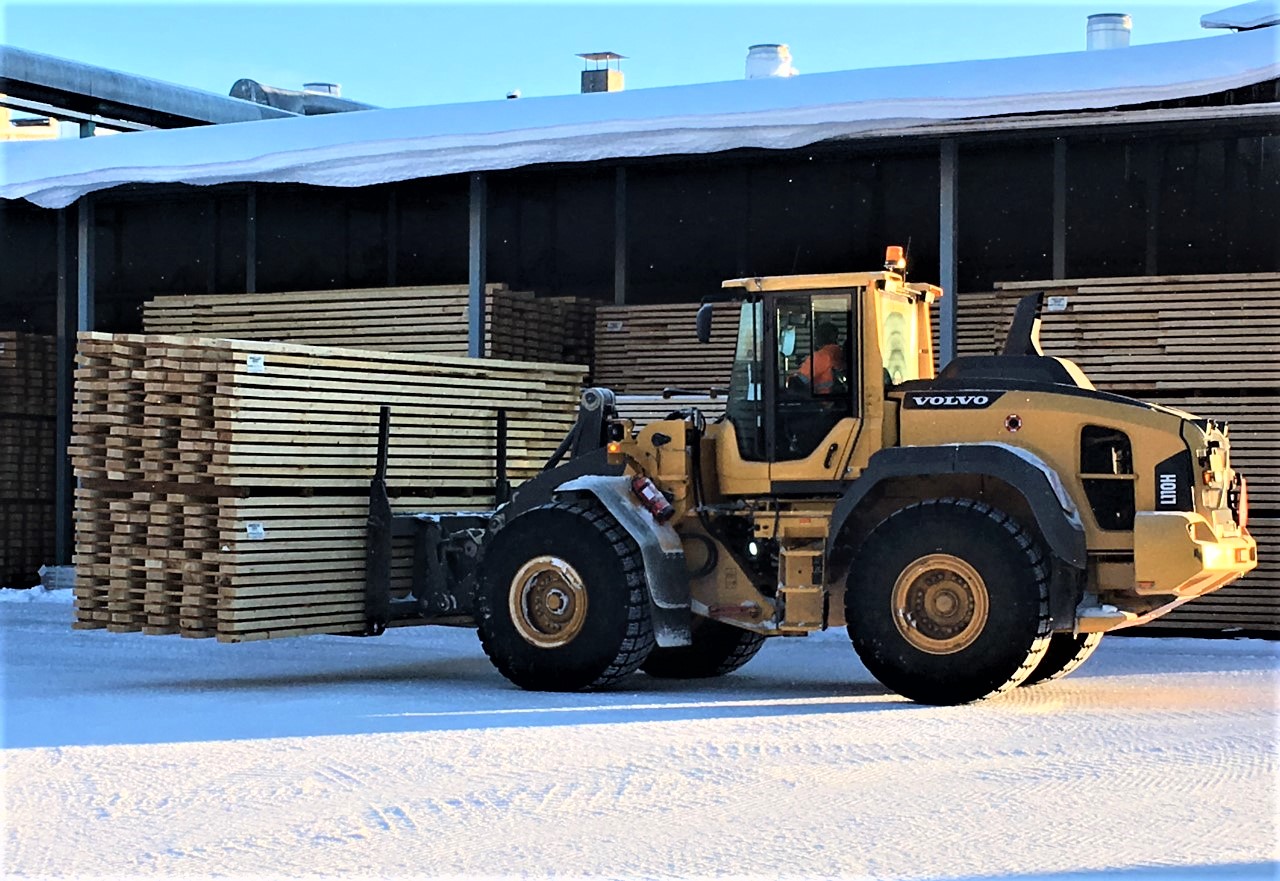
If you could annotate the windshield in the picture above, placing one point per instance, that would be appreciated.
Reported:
(745, 408)
(899, 337)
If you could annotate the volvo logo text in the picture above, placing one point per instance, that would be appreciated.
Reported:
(958, 401)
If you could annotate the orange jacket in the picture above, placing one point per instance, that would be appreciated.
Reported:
(820, 368)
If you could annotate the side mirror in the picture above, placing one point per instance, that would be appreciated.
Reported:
(704, 323)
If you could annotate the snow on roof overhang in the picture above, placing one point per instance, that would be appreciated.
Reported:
(1246, 16)
(379, 146)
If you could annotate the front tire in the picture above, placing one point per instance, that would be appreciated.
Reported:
(717, 649)
(562, 602)
(1066, 652)
(948, 602)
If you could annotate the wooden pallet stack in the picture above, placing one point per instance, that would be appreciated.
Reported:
(224, 483)
(1208, 344)
(28, 455)
(426, 320)
(644, 349)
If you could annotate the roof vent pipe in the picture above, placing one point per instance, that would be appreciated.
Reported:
(1108, 30)
(769, 60)
(334, 89)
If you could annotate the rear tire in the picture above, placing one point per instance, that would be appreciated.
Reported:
(948, 602)
(562, 602)
(1066, 652)
(717, 649)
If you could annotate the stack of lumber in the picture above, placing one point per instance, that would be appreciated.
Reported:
(405, 319)
(224, 483)
(28, 455)
(976, 316)
(521, 326)
(643, 409)
(644, 349)
(428, 320)
(1208, 344)
(1157, 333)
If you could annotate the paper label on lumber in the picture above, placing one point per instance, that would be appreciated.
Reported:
(1057, 304)
(614, 326)
(256, 531)
(256, 363)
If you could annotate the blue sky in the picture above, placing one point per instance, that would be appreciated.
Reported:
(420, 52)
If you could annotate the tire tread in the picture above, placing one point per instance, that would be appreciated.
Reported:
(639, 639)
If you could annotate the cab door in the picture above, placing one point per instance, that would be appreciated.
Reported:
(811, 384)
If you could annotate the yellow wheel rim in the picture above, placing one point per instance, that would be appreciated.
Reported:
(940, 604)
(548, 602)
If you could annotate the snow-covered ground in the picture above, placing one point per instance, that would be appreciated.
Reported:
(408, 755)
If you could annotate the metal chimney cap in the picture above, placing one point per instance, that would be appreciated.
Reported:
(598, 57)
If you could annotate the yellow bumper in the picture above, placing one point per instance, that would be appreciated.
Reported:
(1176, 553)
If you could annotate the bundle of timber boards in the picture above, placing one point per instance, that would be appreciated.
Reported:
(644, 349)
(1207, 344)
(405, 319)
(28, 456)
(431, 320)
(643, 409)
(524, 327)
(224, 483)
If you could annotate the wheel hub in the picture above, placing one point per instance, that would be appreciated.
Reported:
(548, 602)
(940, 604)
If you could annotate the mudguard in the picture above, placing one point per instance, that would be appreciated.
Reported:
(665, 572)
(1055, 512)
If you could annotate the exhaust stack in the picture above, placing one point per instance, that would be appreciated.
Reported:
(766, 60)
(1108, 30)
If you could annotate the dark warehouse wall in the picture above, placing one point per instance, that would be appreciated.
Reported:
(1182, 202)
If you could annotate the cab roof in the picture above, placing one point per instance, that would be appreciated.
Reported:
(833, 281)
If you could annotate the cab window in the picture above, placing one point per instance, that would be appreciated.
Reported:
(814, 378)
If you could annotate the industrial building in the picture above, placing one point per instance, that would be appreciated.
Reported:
(1151, 160)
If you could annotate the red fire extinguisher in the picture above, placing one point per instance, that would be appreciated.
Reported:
(652, 498)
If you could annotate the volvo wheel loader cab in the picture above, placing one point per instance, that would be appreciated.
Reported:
(974, 530)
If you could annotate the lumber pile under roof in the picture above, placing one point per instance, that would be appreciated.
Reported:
(643, 409)
(28, 458)
(524, 327)
(224, 483)
(1207, 344)
(427, 319)
(644, 349)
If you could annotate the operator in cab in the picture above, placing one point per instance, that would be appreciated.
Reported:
(818, 371)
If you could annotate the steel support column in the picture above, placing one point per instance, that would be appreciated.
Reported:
(1154, 163)
(86, 275)
(74, 313)
(251, 240)
(393, 238)
(620, 237)
(948, 263)
(476, 264)
(1059, 208)
(67, 322)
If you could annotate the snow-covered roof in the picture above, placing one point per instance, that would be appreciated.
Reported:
(1259, 13)
(379, 146)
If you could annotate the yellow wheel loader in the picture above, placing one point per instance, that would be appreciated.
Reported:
(974, 530)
